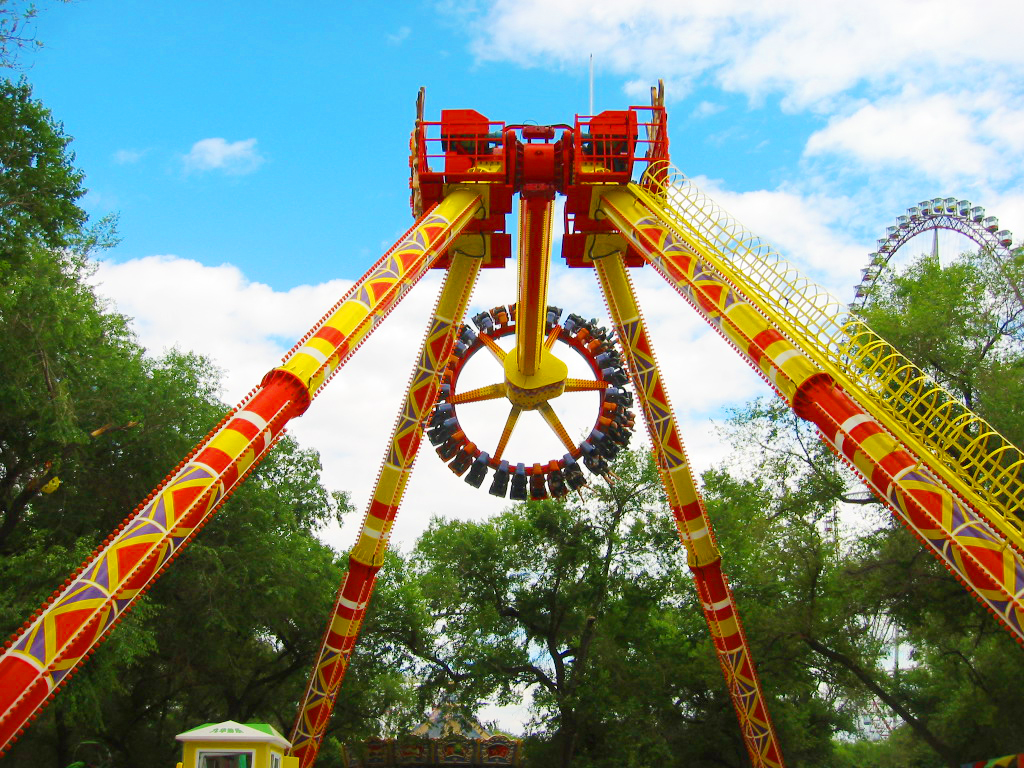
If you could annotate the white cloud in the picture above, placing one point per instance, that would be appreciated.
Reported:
(951, 138)
(400, 36)
(247, 327)
(907, 87)
(129, 156)
(235, 158)
(706, 109)
(806, 51)
(804, 229)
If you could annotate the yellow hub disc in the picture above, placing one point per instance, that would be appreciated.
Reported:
(530, 392)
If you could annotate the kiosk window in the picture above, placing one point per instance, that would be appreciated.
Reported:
(223, 759)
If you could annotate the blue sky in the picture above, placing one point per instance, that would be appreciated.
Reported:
(256, 153)
(257, 156)
(317, 104)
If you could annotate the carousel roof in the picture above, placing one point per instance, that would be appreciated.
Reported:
(444, 738)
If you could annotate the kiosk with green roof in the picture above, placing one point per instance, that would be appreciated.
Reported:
(234, 745)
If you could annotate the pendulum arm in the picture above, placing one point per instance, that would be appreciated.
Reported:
(493, 348)
(963, 540)
(368, 554)
(549, 415)
(489, 392)
(534, 263)
(41, 657)
(692, 521)
(584, 385)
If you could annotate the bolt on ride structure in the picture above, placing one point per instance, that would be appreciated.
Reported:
(949, 478)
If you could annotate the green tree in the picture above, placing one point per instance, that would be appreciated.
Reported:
(232, 629)
(39, 185)
(836, 588)
(856, 589)
(590, 605)
(17, 33)
(963, 324)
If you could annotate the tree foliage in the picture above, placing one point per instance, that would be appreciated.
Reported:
(963, 324)
(39, 185)
(590, 606)
(88, 425)
(585, 605)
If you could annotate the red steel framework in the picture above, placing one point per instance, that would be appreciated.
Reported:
(625, 207)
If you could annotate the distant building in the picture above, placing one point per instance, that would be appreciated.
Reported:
(444, 738)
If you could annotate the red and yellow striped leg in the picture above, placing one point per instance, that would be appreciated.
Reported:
(728, 312)
(953, 531)
(41, 659)
(368, 554)
(342, 330)
(692, 521)
(43, 655)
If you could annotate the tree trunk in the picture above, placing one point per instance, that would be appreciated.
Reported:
(891, 701)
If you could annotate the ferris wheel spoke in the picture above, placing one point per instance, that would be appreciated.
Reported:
(490, 392)
(584, 385)
(556, 426)
(549, 342)
(506, 433)
(493, 348)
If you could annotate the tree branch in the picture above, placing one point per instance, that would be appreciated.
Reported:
(889, 699)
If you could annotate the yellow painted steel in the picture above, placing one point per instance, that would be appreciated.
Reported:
(368, 554)
(775, 356)
(488, 392)
(506, 433)
(956, 533)
(676, 476)
(354, 319)
(731, 646)
(396, 470)
(556, 426)
(530, 391)
(960, 447)
(493, 348)
(534, 268)
(584, 385)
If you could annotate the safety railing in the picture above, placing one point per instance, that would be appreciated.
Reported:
(619, 146)
(970, 456)
(463, 150)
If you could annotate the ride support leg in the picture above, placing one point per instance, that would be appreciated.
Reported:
(695, 532)
(41, 657)
(953, 531)
(367, 556)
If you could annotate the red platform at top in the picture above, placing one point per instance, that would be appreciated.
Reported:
(464, 147)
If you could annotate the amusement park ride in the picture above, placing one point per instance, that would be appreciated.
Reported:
(947, 476)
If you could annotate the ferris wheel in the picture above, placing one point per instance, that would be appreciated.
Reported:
(947, 213)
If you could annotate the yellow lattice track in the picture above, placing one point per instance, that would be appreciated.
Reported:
(969, 455)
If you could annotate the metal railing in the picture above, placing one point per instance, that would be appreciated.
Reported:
(967, 453)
